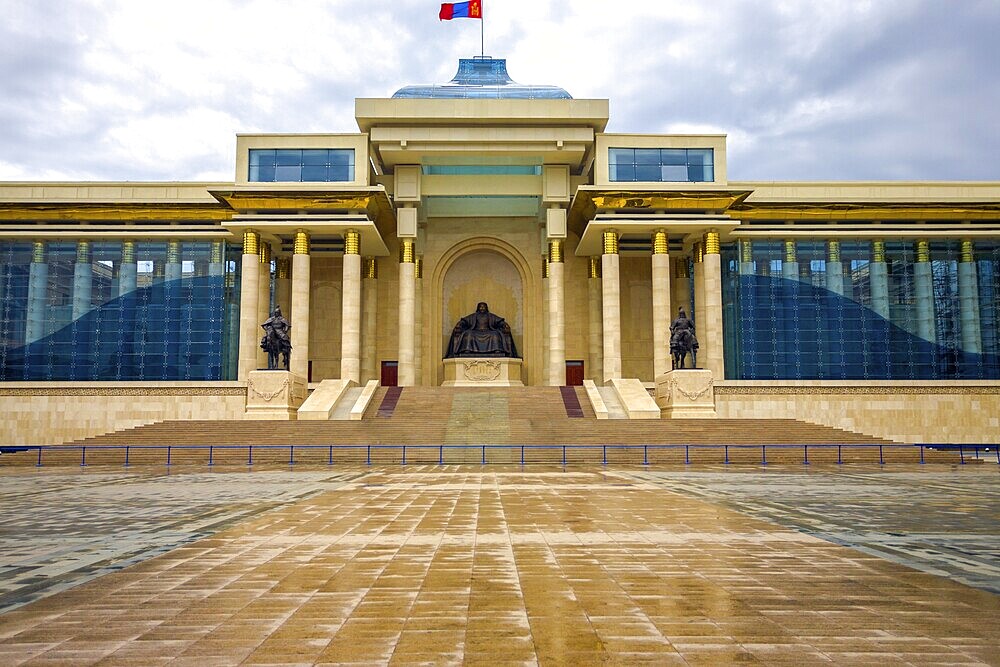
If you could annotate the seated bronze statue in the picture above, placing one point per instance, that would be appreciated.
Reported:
(481, 334)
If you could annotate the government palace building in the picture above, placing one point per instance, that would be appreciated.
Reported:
(870, 306)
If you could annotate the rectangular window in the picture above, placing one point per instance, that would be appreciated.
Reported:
(301, 165)
(661, 165)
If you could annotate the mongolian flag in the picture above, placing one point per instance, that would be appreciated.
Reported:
(473, 9)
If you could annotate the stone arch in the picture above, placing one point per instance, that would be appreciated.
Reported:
(524, 326)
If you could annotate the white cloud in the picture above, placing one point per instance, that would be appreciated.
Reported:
(112, 89)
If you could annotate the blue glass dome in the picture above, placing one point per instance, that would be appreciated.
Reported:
(482, 78)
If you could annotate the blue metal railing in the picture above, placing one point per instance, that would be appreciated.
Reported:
(564, 450)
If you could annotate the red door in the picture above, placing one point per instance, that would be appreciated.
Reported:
(574, 373)
(390, 374)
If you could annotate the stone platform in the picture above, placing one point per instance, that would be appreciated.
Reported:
(482, 372)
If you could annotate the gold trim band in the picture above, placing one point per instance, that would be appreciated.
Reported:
(370, 269)
(790, 251)
(555, 251)
(922, 249)
(698, 250)
(878, 251)
(128, 252)
(833, 250)
(968, 251)
(83, 252)
(594, 267)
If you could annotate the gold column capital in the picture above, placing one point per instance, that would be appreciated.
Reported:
(406, 255)
(370, 268)
(833, 250)
(661, 243)
(251, 242)
(698, 251)
(128, 252)
(39, 251)
(594, 267)
(301, 244)
(418, 267)
(283, 268)
(790, 251)
(173, 251)
(922, 249)
(264, 252)
(215, 254)
(545, 266)
(83, 252)
(878, 251)
(352, 242)
(555, 251)
(968, 251)
(610, 237)
(712, 244)
(681, 268)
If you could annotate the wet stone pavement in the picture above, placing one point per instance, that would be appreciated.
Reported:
(501, 565)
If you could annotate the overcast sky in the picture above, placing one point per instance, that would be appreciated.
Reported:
(806, 90)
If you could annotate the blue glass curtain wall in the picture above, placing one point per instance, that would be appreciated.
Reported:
(112, 310)
(861, 310)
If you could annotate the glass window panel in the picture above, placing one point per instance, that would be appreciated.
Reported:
(673, 173)
(647, 156)
(289, 173)
(314, 173)
(621, 156)
(702, 156)
(263, 174)
(342, 157)
(288, 156)
(315, 156)
(647, 172)
(674, 156)
(341, 173)
(261, 157)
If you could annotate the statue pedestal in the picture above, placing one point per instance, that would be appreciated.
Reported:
(274, 395)
(482, 372)
(686, 394)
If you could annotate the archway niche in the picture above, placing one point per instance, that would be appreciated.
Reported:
(482, 275)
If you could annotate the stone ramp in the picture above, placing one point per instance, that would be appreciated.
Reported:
(463, 419)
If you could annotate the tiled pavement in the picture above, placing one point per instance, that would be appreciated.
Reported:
(495, 566)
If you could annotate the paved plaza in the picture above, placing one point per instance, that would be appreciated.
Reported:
(501, 565)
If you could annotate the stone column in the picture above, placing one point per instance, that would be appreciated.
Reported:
(711, 321)
(173, 269)
(128, 271)
(350, 342)
(834, 268)
(595, 338)
(249, 298)
(697, 311)
(557, 315)
(611, 310)
(83, 280)
(263, 297)
(298, 362)
(661, 303)
(878, 275)
(790, 266)
(369, 311)
(407, 306)
(923, 287)
(283, 284)
(968, 298)
(418, 320)
(38, 285)
(545, 320)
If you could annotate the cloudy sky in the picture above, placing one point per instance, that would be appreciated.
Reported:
(805, 89)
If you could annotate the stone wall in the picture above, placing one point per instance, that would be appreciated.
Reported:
(52, 413)
(916, 412)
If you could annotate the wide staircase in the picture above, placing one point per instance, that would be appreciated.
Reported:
(454, 424)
